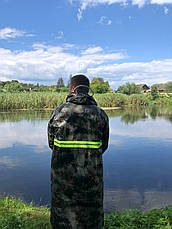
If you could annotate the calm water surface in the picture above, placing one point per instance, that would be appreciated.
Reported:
(137, 164)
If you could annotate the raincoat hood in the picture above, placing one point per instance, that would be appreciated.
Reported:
(81, 99)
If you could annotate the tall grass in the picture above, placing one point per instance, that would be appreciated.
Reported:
(31, 100)
(119, 100)
(15, 214)
(50, 100)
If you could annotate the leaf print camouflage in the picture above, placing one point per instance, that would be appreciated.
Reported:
(77, 173)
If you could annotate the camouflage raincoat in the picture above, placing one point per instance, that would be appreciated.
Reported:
(78, 133)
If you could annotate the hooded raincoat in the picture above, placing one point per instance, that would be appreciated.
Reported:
(78, 133)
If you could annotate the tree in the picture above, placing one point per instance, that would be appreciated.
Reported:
(63, 89)
(129, 89)
(60, 83)
(13, 87)
(98, 85)
(69, 80)
(154, 92)
(168, 86)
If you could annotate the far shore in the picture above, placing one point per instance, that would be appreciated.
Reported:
(48, 101)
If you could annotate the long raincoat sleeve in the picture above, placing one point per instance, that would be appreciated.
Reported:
(105, 135)
(51, 132)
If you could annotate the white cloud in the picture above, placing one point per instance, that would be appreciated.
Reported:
(60, 35)
(104, 21)
(109, 22)
(92, 50)
(68, 46)
(161, 2)
(152, 72)
(92, 3)
(166, 10)
(45, 63)
(7, 33)
(139, 3)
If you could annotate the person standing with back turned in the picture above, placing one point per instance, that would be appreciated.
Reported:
(78, 133)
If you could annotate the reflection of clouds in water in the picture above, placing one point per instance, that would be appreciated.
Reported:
(116, 142)
(119, 199)
(158, 129)
(9, 162)
(24, 132)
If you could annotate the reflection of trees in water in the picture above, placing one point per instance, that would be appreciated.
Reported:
(169, 118)
(153, 112)
(128, 115)
(119, 199)
(134, 114)
(17, 116)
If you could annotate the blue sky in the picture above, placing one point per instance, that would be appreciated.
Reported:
(119, 40)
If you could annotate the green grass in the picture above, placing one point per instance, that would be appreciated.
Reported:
(15, 214)
(50, 100)
(31, 100)
(135, 219)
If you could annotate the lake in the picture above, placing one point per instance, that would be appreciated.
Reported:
(137, 164)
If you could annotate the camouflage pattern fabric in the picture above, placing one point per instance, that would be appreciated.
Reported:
(77, 173)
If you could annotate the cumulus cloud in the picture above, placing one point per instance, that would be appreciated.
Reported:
(45, 63)
(139, 3)
(7, 33)
(161, 2)
(152, 72)
(92, 50)
(92, 3)
(104, 21)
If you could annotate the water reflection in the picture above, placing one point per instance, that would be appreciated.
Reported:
(133, 114)
(137, 164)
(27, 128)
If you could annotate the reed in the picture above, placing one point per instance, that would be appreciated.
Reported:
(50, 100)
(34, 100)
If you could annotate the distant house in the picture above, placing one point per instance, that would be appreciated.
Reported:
(144, 87)
(113, 91)
(161, 90)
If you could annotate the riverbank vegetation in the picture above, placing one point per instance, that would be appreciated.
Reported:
(128, 115)
(50, 100)
(98, 85)
(15, 214)
(16, 95)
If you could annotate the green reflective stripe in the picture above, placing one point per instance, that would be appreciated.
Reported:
(77, 144)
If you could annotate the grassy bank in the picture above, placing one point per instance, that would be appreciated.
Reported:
(15, 214)
(50, 100)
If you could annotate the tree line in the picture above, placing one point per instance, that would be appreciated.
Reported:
(98, 85)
